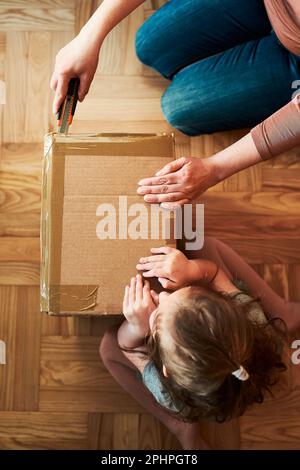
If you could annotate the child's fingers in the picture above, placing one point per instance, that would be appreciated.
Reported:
(166, 283)
(126, 298)
(146, 291)
(139, 288)
(155, 297)
(132, 290)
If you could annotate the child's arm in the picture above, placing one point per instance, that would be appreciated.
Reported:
(174, 270)
(138, 304)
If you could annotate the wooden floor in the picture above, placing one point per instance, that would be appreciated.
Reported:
(54, 392)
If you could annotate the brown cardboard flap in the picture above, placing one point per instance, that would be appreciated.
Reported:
(81, 272)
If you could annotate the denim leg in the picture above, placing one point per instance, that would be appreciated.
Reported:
(184, 31)
(232, 90)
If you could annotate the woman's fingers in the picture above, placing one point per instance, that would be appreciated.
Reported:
(84, 86)
(167, 197)
(163, 249)
(154, 259)
(147, 266)
(155, 272)
(53, 82)
(132, 290)
(173, 166)
(139, 288)
(159, 189)
(158, 181)
(60, 92)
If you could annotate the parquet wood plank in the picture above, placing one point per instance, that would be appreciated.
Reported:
(16, 58)
(74, 378)
(126, 431)
(112, 400)
(153, 435)
(294, 282)
(100, 431)
(270, 251)
(23, 156)
(38, 72)
(262, 434)
(43, 431)
(276, 275)
(72, 326)
(20, 224)
(88, 126)
(20, 328)
(20, 189)
(16, 4)
(20, 249)
(283, 179)
(36, 19)
(16, 273)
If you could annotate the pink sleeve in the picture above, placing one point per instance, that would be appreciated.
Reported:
(280, 132)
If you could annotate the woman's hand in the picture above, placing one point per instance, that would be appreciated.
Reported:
(183, 180)
(138, 304)
(171, 267)
(79, 58)
(179, 182)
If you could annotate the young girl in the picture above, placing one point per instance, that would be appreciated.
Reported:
(207, 350)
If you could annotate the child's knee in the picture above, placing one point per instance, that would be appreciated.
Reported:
(108, 344)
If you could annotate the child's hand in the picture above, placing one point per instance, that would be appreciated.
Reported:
(139, 302)
(170, 266)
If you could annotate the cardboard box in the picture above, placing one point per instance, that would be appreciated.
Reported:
(93, 232)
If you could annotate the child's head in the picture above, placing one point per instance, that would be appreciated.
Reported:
(198, 338)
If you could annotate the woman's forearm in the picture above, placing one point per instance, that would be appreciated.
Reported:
(107, 16)
(238, 156)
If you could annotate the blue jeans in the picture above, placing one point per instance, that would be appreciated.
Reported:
(228, 69)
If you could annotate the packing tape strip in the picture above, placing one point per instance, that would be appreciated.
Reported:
(68, 299)
(110, 146)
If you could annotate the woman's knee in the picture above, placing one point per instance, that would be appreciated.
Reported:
(188, 110)
(147, 44)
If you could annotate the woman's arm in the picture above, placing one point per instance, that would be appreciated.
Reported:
(79, 58)
(280, 132)
(107, 16)
(185, 179)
